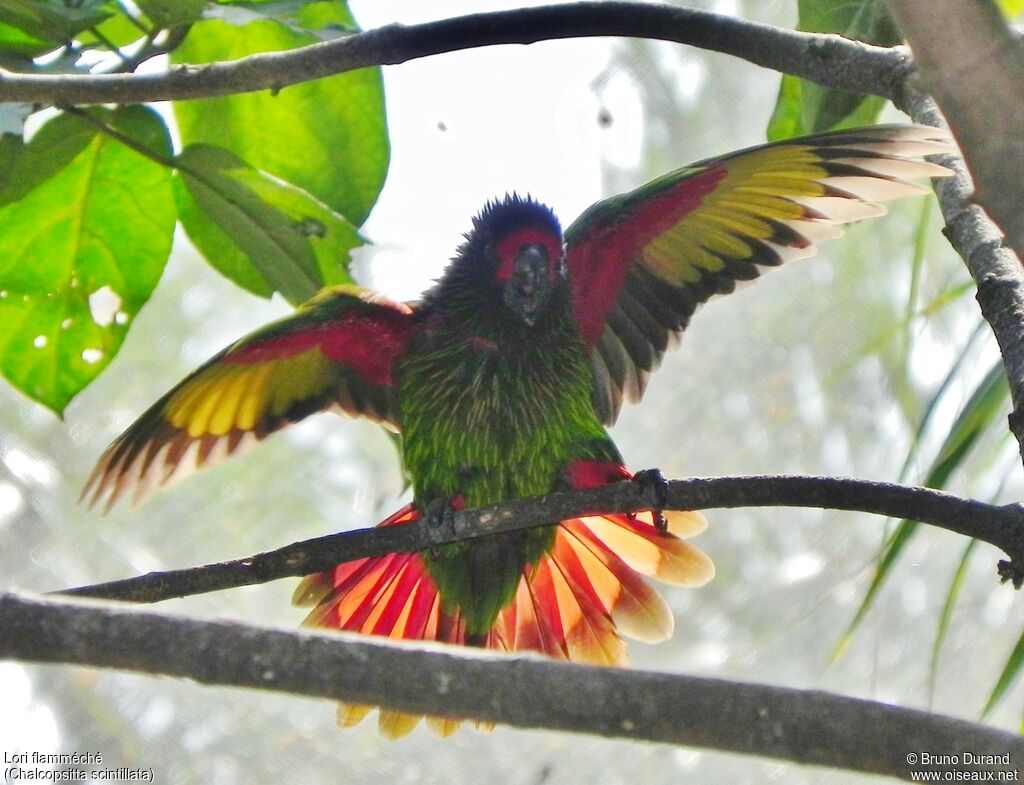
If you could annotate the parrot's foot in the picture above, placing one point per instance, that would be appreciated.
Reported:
(653, 483)
(440, 525)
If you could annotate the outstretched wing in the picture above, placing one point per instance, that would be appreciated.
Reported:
(337, 350)
(642, 262)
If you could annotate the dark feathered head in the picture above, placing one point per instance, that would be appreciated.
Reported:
(514, 253)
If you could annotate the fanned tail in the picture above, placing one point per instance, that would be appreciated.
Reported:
(572, 604)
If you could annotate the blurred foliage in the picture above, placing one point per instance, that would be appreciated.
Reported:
(1011, 8)
(985, 406)
(804, 107)
(89, 211)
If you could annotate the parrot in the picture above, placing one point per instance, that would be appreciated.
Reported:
(501, 381)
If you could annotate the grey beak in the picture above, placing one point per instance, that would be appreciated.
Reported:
(528, 287)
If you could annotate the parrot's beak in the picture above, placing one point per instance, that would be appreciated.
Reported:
(529, 287)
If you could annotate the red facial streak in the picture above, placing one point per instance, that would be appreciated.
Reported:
(509, 247)
(598, 266)
(584, 473)
(367, 342)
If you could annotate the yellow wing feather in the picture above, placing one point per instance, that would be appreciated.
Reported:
(333, 353)
(693, 233)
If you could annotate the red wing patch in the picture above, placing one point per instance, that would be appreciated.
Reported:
(336, 352)
(642, 262)
(368, 343)
(599, 262)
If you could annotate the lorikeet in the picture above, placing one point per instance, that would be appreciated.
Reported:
(501, 381)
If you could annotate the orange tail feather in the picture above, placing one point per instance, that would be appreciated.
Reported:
(573, 604)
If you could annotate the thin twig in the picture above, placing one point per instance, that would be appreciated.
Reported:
(530, 692)
(108, 44)
(999, 526)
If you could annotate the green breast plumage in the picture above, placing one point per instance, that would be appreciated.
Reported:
(490, 417)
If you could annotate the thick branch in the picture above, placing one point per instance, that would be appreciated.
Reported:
(1000, 526)
(973, 65)
(802, 726)
(827, 59)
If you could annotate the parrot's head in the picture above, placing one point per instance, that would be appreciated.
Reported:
(515, 254)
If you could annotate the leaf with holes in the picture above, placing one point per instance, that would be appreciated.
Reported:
(80, 253)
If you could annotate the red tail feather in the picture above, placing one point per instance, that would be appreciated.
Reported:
(571, 605)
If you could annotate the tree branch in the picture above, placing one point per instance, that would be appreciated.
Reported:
(996, 270)
(973, 64)
(802, 726)
(999, 526)
(827, 59)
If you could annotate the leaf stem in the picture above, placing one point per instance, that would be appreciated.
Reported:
(109, 44)
(90, 119)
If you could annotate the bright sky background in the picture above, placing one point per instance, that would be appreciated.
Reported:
(458, 138)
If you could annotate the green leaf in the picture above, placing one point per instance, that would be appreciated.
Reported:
(931, 407)
(892, 551)
(922, 235)
(1010, 672)
(787, 118)
(955, 586)
(53, 147)
(12, 146)
(262, 233)
(170, 13)
(14, 41)
(1011, 8)
(327, 137)
(119, 29)
(325, 15)
(216, 244)
(81, 252)
(51, 20)
(330, 18)
(984, 407)
(804, 107)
